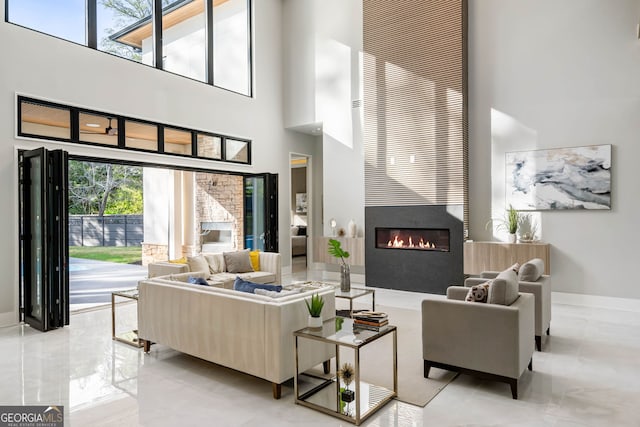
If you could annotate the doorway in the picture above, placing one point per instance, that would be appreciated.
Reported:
(176, 204)
(300, 211)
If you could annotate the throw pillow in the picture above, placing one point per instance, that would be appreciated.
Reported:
(255, 260)
(197, 281)
(182, 260)
(294, 230)
(504, 289)
(531, 270)
(515, 267)
(216, 263)
(302, 230)
(249, 287)
(197, 263)
(479, 293)
(238, 262)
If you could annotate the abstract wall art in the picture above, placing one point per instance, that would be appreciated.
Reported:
(562, 178)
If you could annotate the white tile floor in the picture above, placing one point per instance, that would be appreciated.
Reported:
(587, 375)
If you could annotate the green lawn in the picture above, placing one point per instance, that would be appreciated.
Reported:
(121, 254)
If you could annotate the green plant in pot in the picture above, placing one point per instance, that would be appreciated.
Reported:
(314, 305)
(509, 223)
(336, 250)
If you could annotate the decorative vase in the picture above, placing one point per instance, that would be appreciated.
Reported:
(345, 278)
(347, 395)
(315, 322)
(351, 227)
(512, 238)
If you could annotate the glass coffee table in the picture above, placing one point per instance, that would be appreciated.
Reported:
(323, 392)
(353, 294)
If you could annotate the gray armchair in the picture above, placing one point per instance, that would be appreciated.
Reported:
(491, 341)
(530, 280)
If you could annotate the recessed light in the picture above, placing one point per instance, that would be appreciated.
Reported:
(93, 125)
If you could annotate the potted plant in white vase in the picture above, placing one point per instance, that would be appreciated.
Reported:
(345, 271)
(315, 310)
(509, 223)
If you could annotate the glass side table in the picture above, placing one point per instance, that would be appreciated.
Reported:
(130, 337)
(323, 393)
(353, 294)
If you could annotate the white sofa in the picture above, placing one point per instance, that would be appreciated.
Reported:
(247, 332)
(270, 270)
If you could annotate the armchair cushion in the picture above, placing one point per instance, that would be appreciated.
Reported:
(531, 270)
(504, 289)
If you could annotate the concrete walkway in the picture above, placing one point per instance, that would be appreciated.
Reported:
(91, 282)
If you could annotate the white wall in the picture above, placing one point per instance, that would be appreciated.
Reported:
(323, 46)
(550, 74)
(44, 67)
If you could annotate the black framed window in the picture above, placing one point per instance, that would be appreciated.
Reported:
(205, 40)
(53, 121)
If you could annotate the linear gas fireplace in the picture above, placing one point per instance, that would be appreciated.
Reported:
(419, 239)
(414, 248)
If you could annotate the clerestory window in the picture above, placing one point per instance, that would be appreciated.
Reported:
(205, 40)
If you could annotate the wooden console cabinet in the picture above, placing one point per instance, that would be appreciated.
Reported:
(353, 245)
(497, 256)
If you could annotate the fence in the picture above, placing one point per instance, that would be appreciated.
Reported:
(110, 230)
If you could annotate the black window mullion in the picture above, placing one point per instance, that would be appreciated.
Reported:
(208, 10)
(194, 144)
(160, 138)
(223, 148)
(92, 24)
(121, 132)
(157, 35)
(250, 47)
(75, 124)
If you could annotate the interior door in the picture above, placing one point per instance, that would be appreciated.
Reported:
(44, 251)
(261, 212)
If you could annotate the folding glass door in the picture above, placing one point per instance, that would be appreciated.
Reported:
(44, 253)
(261, 212)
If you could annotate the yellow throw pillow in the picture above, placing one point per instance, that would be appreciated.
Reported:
(182, 260)
(255, 260)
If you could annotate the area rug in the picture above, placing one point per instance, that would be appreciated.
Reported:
(376, 360)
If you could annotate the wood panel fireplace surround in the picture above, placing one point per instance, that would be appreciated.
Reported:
(414, 248)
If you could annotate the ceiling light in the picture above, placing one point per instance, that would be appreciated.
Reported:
(92, 125)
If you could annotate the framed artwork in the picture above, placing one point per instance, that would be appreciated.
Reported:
(301, 203)
(561, 178)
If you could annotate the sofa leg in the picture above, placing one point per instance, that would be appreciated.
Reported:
(427, 368)
(538, 343)
(326, 366)
(548, 329)
(530, 367)
(514, 388)
(277, 390)
(147, 345)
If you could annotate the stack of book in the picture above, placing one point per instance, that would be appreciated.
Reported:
(370, 320)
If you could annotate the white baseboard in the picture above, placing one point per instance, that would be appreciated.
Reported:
(8, 319)
(626, 304)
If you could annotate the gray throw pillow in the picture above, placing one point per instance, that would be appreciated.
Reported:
(197, 264)
(504, 289)
(531, 270)
(238, 262)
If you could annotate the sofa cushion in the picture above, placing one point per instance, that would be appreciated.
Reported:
(216, 263)
(531, 270)
(197, 281)
(504, 289)
(255, 260)
(238, 262)
(249, 287)
(479, 293)
(197, 263)
(258, 277)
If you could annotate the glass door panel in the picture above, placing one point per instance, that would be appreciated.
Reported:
(261, 212)
(43, 243)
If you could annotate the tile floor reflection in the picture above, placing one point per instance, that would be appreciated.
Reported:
(587, 375)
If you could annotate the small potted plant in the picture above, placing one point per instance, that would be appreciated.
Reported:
(315, 310)
(346, 374)
(345, 273)
(509, 223)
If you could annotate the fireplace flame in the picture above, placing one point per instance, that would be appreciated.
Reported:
(398, 243)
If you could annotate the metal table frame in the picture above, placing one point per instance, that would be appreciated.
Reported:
(130, 337)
